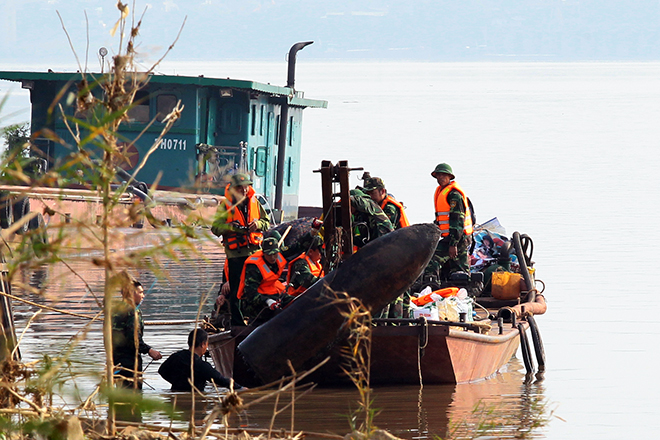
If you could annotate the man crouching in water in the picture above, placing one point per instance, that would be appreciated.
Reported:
(176, 369)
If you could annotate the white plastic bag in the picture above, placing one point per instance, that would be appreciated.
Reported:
(448, 309)
(429, 311)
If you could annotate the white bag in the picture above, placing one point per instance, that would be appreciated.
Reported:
(429, 311)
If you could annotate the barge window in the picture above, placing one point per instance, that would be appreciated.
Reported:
(253, 111)
(291, 131)
(164, 106)
(289, 172)
(261, 118)
(139, 112)
(277, 130)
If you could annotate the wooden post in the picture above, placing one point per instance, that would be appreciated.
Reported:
(337, 220)
(7, 332)
(343, 172)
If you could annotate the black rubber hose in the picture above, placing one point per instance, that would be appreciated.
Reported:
(20, 209)
(6, 210)
(528, 248)
(522, 260)
(524, 346)
(538, 343)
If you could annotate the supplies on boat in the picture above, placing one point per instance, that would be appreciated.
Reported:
(428, 311)
(505, 285)
(435, 307)
(508, 285)
(424, 299)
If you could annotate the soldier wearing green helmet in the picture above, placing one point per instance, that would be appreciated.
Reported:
(241, 221)
(454, 218)
(369, 220)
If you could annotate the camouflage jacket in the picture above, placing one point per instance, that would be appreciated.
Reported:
(392, 212)
(252, 301)
(369, 222)
(124, 335)
(301, 275)
(456, 217)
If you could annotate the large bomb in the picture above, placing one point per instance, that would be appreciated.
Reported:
(305, 331)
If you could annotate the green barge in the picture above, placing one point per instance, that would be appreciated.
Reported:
(227, 126)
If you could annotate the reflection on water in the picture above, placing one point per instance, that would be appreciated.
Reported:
(410, 412)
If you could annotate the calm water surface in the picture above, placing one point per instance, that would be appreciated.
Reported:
(567, 153)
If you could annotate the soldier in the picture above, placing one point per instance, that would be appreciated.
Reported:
(240, 220)
(375, 188)
(127, 330)
(453, 217)
(369, 220)
(260, 287)
(305, 269)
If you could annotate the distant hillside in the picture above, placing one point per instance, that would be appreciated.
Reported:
(434, 30)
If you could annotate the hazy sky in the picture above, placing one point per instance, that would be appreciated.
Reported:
(432, 30)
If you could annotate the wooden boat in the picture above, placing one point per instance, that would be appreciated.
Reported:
(404, 351)
(414, 351)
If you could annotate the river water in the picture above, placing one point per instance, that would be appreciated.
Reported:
(566, 153)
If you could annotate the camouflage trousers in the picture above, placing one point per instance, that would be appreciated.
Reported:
(255, 310)
(441, 265)
(399, 308)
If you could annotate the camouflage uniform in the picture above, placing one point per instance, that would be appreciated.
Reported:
(235, 258)
(392, 213)
(253, 303)
(124, 335)
(400, 307)
(369, 221)
(441, 265)
(301, 275)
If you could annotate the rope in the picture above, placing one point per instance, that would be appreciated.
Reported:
(484, 309)
(425, 330)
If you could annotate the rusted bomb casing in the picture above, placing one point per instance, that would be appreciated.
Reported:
(305, 331)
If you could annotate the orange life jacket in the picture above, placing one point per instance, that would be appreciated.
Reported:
(234, 240)
(316, 269)
(442, 209)
(425, 299)
(403, 218)
(270, 283)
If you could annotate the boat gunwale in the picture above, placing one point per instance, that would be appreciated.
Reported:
(488, 339)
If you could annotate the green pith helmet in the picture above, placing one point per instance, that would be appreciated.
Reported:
(443, 168)
(357, 193)
(373, 183)
(240, 179)
(317, 243)
(270, 246)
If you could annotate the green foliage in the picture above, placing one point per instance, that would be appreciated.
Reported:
(357, 363)
(16, 138)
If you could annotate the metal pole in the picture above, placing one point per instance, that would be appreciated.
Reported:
(284, 117)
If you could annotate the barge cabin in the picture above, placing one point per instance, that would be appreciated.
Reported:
(226, 126)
